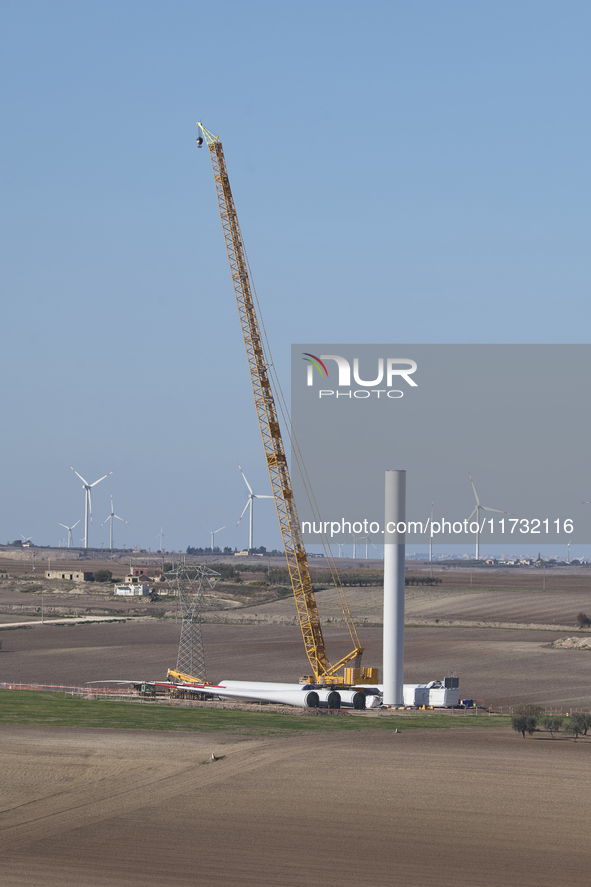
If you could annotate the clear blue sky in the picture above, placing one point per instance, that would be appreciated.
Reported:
(403, 172)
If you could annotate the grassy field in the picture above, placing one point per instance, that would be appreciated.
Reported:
(56, 709)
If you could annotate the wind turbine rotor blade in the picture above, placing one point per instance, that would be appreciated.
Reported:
(498, 510)
(80, 476)
(245, 507)
(245, 481)
(121, 518)
(102, 478)
(217, 531)
(65, 527)
(474, 488)
(75, 525)
(473, 513)
(259, 496)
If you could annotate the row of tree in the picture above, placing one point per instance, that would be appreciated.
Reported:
(527, 720)
(261, 550)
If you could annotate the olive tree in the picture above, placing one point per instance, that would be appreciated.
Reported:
(524, 724)
(102, 575)
(577, 724)
(553, 723)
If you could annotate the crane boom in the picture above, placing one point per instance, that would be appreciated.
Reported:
(297, 561)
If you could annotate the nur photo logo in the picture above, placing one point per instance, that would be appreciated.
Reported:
(389, 371)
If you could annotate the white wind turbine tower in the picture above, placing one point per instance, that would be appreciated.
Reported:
(477, 511)
(69, 529)
(587, 502)
(368, 542)
(249, 504)
(87, 502)
(111, 516)
(213, 532)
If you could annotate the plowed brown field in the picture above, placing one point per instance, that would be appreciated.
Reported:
(448, 808)
(499, 666)
(83, 808)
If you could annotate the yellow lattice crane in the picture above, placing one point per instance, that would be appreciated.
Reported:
(297, 562)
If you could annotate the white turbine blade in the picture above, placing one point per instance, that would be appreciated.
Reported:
(245, 507)
(498, 510)
(245, 481)
(80, 476)
(65, 527)
(89, 501)
(105, 521)
(474, 488)
(75, 525)
(473, 513)
(121, 518)
(259, 496)
(102, 478)
(217, 531)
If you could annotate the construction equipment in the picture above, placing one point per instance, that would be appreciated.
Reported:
(261, 368)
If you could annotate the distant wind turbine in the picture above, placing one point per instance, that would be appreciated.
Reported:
(249, 504)
(368, 542)
(87, 501)
(213, 532)
(69, 529)
(477, 511)
(160, 536)
(26, 539)
(110, 518)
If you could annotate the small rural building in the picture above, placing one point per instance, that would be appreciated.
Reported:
(137, 574)
(74, 575)
(134, 590)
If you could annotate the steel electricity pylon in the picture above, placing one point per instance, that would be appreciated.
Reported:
(189, 583)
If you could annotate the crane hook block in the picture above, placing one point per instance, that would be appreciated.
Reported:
(200, 142)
